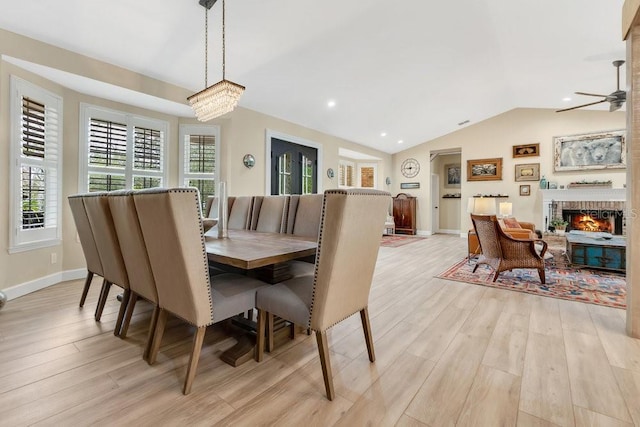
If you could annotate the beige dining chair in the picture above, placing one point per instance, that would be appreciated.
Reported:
(173, 234)
(136, 260)
(269, 214)
(87, 242)
(239, 212)
(104, 232)
(303, 219)
(348, 245)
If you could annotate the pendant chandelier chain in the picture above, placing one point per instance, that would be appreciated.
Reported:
(223, 43)
(206, 46)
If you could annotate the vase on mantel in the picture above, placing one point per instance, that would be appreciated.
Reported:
(543, 183)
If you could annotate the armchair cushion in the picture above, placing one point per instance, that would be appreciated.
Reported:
(510, 223)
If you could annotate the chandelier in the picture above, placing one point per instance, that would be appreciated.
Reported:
(223, 96)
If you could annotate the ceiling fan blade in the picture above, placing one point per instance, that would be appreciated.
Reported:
(614, 106)
(590, 94)
(580, 106)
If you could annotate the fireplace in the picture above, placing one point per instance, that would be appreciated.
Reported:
(592, 209)
(608, 221)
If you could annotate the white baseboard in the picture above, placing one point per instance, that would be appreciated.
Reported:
(44, 282)
(423, 233)
(445, 231)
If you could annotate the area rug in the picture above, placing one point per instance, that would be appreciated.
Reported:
(395, 240)
(575, 284)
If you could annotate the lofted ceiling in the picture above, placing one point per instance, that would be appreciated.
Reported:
(413, 69)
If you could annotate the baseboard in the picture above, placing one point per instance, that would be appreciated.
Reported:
(445, 231)
(44, 282)
(423, 233)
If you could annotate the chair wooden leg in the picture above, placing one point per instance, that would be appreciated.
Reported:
(475, 268)
(270, 343)
(85, 290)
(157, 337)
(131, 304)
(250, 314)
(193, 360)
(542, 275)
(495, 276)
(323, 350)
(151, 333)
(292, 331)
(123, 309)
(262, 315)
(366, 327)
(104, 294)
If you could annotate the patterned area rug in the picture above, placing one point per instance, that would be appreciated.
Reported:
(395, 240)
(575, 284)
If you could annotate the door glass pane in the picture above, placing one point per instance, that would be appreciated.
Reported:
(307, 175)
(284, 174)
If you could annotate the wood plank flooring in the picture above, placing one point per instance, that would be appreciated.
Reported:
(448, 353)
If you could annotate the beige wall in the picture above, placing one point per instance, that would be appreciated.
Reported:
(495, 138)
(242, 132)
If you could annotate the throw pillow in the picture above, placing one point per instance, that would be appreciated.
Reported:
(511, 223)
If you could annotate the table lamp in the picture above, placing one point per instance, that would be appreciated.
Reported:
(482, 205)
(506, 209)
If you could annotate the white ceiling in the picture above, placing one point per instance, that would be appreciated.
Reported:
(411, 68)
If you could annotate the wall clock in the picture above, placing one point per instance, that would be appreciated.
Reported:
(410, 168)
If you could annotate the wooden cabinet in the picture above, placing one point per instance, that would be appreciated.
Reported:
(404, 213)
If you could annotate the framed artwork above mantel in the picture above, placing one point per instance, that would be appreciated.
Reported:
(588, 151)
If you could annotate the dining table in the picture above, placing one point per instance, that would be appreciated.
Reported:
(260, 255)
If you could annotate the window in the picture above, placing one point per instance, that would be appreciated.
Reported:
(120, 151)
(36, 147)
(346, 173)
(365, 177)
(199, 148)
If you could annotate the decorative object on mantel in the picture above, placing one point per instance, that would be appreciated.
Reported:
(452, 196)
(222, 97)
(543, 183)
(590, 184)
(601, 150)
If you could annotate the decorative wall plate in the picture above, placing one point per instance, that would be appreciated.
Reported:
(330, 173)
(248, 160)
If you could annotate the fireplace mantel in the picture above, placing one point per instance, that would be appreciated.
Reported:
(585, 194)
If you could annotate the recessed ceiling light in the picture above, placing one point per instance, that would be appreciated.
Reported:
(566, 99)
(331, 104)
(383, 134)
(400, 141)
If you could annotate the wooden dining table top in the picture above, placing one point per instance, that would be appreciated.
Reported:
(248, 249)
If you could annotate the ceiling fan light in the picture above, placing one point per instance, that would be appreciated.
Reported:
(216, 100)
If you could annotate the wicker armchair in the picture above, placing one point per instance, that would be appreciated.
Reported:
(502, 252)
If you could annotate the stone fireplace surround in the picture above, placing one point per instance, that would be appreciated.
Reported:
(583, 199)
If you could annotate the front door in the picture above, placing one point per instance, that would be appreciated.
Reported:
(294, 168)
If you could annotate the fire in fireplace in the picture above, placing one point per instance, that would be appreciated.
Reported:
(608, 221)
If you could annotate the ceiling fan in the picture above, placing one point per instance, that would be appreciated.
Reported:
(615, 99)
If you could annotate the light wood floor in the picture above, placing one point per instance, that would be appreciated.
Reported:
(448, 353)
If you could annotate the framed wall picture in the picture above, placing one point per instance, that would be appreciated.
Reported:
(600, 150)
(525, 190)
(409, 185)
(528, 172)
(484, 169)
(526, 150)
(452, 174)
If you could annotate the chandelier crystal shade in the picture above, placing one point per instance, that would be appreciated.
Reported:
(222, 97)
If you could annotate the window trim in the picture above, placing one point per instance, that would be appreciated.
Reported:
(26, 240)
(132, 121)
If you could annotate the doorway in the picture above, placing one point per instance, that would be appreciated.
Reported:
(292, 165)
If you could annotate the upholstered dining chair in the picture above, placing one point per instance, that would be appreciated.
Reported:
(502, 252)
(136, 260)
(303, 219)
(239, 212)
(104, 232)
(173, 234)
(269, 214)
(88, 243)
(349, 229)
